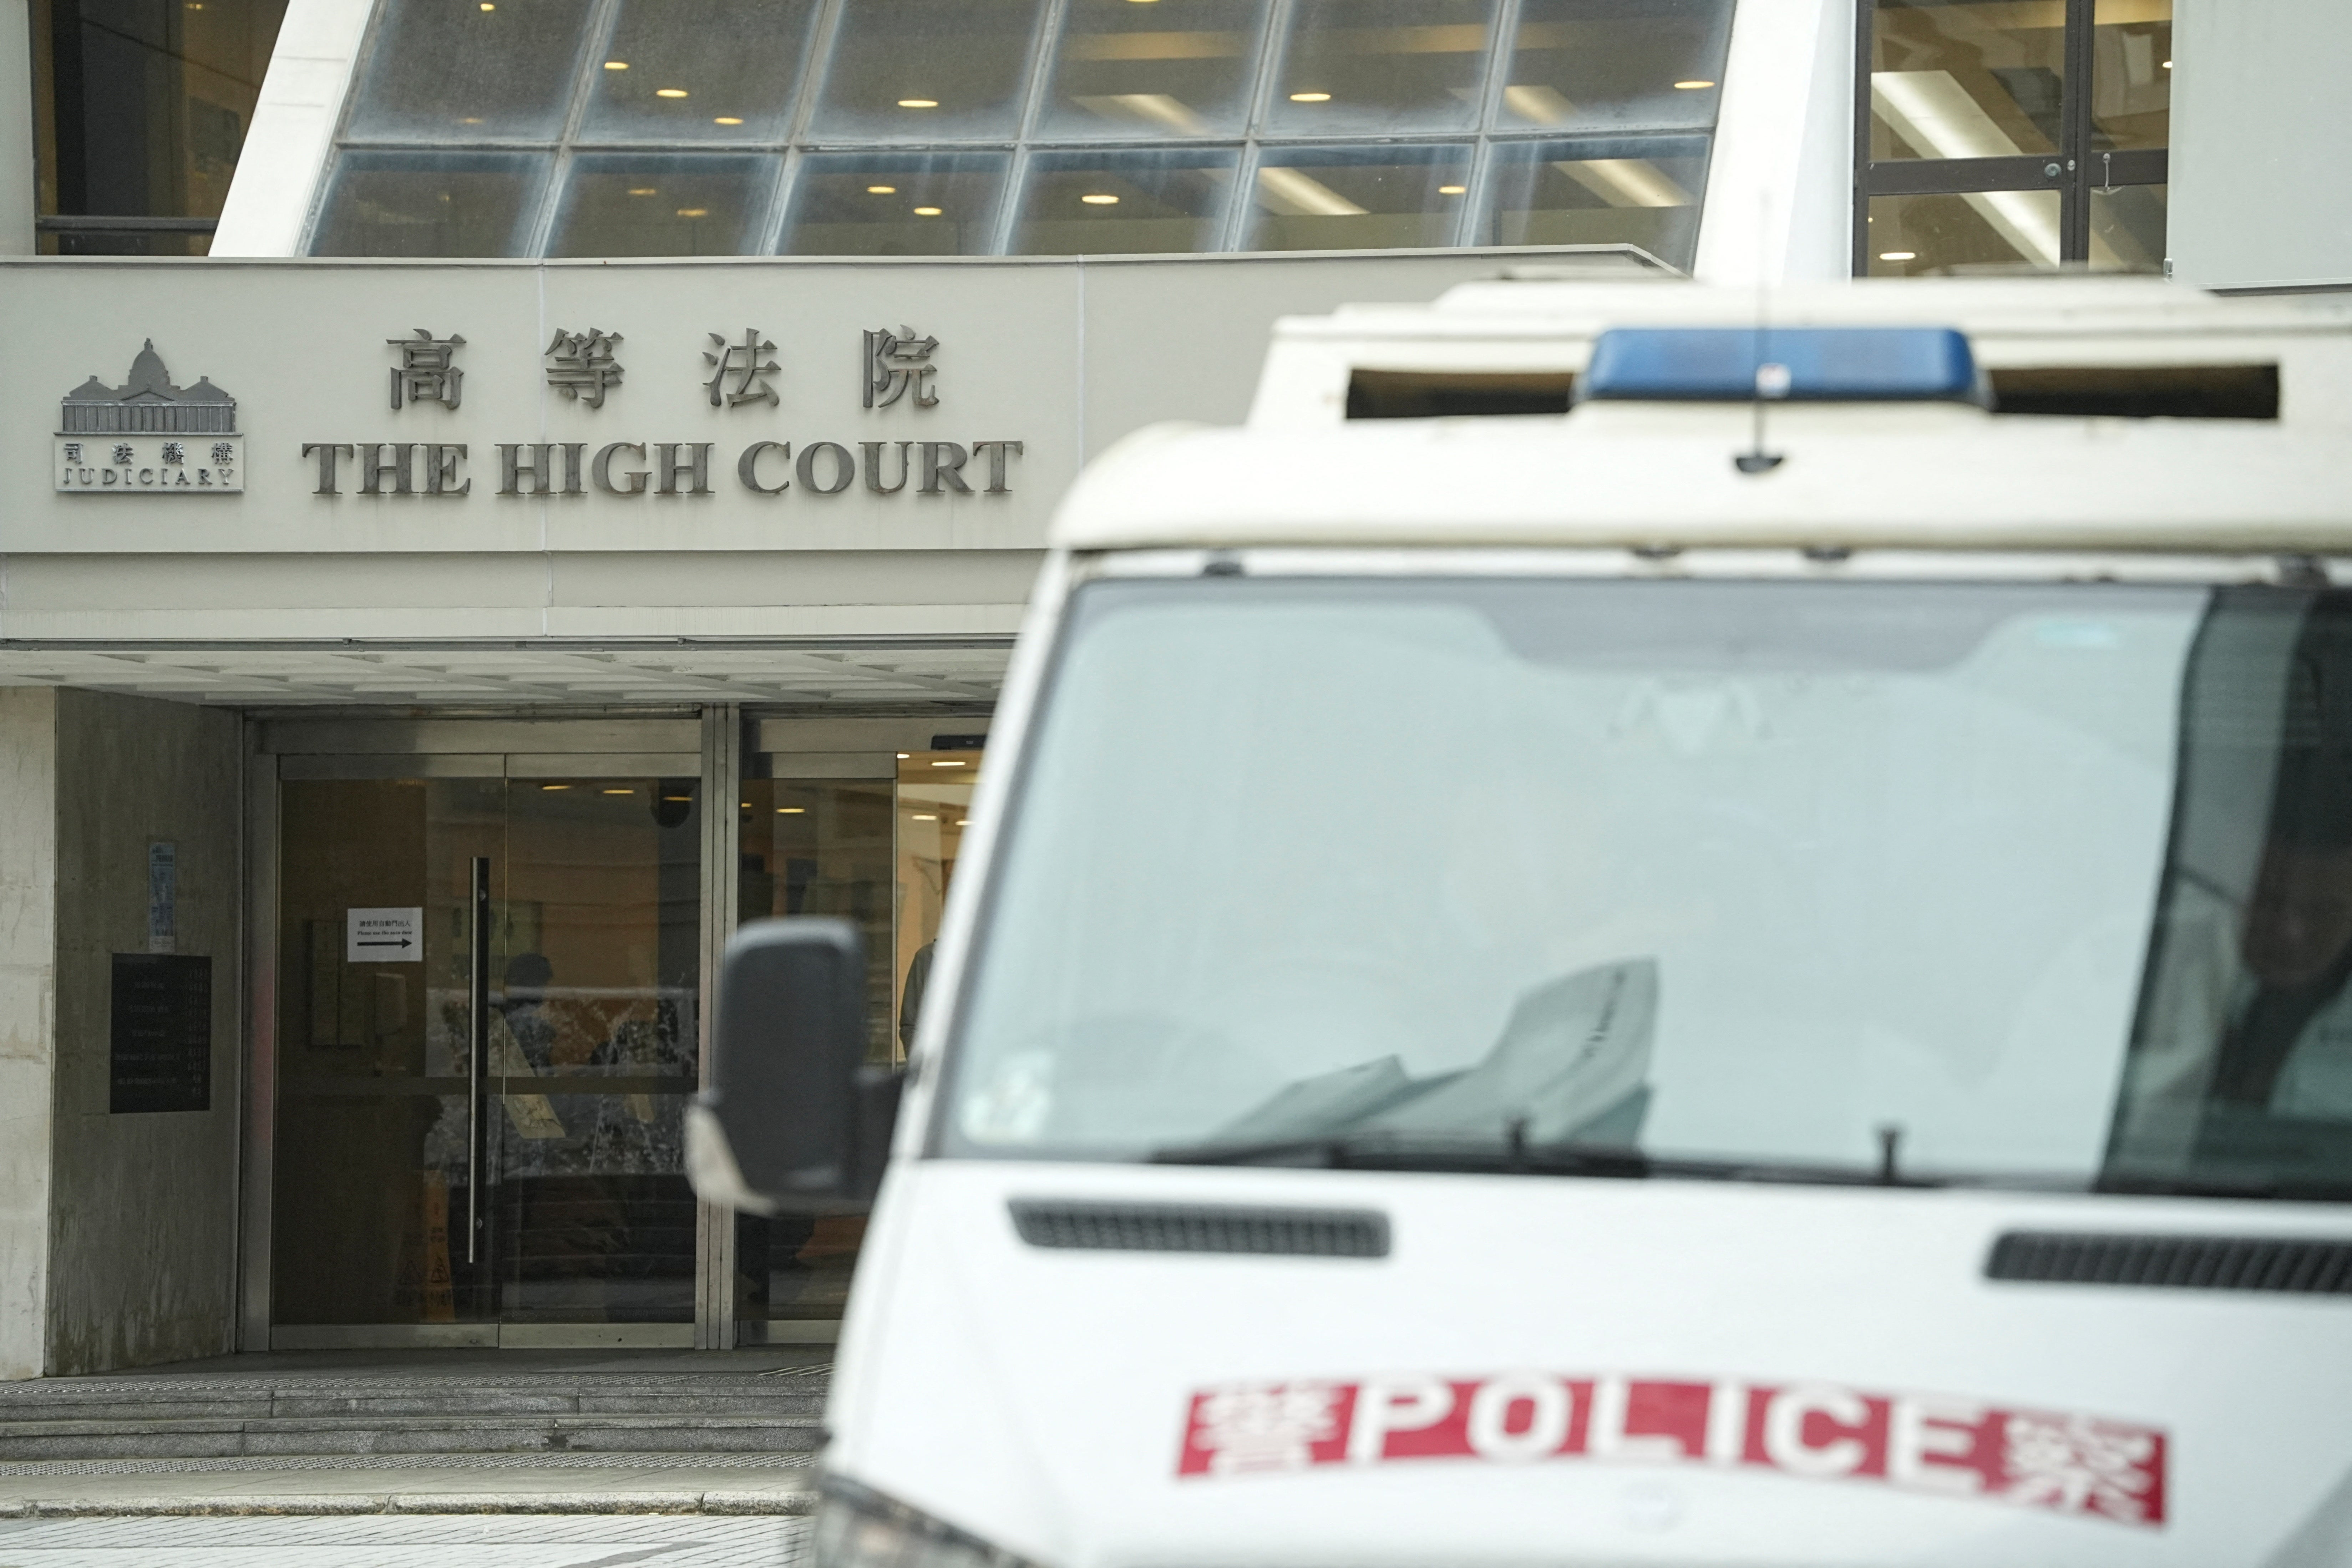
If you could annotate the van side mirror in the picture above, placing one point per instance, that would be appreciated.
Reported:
(794, 1118)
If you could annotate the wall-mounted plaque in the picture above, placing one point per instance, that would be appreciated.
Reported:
(149, 435)
(161, 1038)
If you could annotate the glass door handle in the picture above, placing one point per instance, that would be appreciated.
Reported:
(478, 1050)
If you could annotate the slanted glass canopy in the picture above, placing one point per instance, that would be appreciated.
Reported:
(1022, 127)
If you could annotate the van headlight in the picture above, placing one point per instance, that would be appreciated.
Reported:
(857, 1527)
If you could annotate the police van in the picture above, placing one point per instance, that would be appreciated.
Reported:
(1639, 926)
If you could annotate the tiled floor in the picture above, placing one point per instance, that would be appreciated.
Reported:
(405, 1541)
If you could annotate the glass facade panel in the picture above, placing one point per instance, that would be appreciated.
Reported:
(1607, 63)
(698, 70)
(2131, 75)
(621, 203)
(1909, 235)
(1168, 67)
(469, 71)
(1571, 192)
(1381, 65)
(909, 204)
(430, 204)
(1368, 198)
(1129, 202)
(908, 71)
(1979, 78)
(2127, 228)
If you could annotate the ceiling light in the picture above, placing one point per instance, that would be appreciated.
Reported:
(694, 211)
(919, 104)
(1311, 98)
(620, 792)
(2168, 65)
(680, 798)
(728, 119)
(883, 191)
(951, 764)
(669, 92)
(1898, 256)
(925, 816)
(471, 119)
(645, 190)
(1451, 190)
(791, 811)
(617, 65)
(488, 7)
(927, 212)
(1099, 201)
(904, 755)
(963, 822)
(555, 786)
(1692, 86)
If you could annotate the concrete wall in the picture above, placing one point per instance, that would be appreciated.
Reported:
(142, 1216)
(27, 1006)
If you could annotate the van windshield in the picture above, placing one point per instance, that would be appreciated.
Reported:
(2013, 884)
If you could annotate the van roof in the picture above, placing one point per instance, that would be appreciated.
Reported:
(2075, 474)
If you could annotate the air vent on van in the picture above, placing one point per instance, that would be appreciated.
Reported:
(2279, 1264)
(1438, 395)
(2140, 391)
(1202, 1227)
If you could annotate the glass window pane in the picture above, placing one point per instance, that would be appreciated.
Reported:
(2131, 75)
(697, 70)
(1589, 193)
(430, 204)
(1981, 79)
(461, 70)
(1358, 199)
(910, 71)
(2127, 229)
(1077, 204)
(1616, 62)
(1383, 65)
(633, 204)
(1915, 235)
(904, 203)
(1168, 68)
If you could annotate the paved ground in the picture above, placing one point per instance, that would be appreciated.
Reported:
(405, 1541)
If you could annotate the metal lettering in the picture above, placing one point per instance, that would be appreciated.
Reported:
(327, 484)
(845, 467)
(997, 453)
(372, 467)
(581, 364)
(428, 372)
(511, 468)
(873, 450)
(897, 360)
(441, 470)
(572, 452)
(747, 467)
(742, 361)
(600, 469)
(696, 468)
(939, 466)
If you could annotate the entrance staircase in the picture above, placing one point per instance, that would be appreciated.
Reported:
(425, 1409)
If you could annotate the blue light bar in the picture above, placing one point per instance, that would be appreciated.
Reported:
(1799, 365)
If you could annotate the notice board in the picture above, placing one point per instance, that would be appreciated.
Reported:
(159, 1048)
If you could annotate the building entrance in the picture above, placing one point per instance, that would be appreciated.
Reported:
(488, 1011)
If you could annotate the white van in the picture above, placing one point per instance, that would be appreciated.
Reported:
(1623, 935)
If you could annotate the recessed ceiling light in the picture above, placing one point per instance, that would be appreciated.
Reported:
(951, 764)
(1898, 256)
(694, 211)
(791, 811)
(963, 822)
(2168, 65)
(1311, 98)
(1099, 200)
(682, 799)
(728, 119)
(926, 816)
(620, 792)
(555, 786)
(927, 212)
(617, 65)
(919, 104)
(645, 190)
(1692, 86)
(1451, 190)
(488, 7)
(669, 92)
(904, 755)
(883, 191)
(471, 119)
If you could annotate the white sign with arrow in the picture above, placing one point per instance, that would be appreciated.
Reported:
(384, 936)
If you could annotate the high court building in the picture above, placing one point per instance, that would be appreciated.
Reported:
(500, 491)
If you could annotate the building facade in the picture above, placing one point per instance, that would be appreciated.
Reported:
(585, 495)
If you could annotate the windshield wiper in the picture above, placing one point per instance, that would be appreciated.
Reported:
(1387, 1152)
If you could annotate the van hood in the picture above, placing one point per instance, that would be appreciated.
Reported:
(1546, 1370)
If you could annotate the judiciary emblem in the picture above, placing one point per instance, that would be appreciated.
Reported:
(149, 435)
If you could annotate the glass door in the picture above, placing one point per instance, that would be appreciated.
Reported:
(488, 1017)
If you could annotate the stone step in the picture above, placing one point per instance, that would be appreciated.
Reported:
(199, 1437)
(285, 1402)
